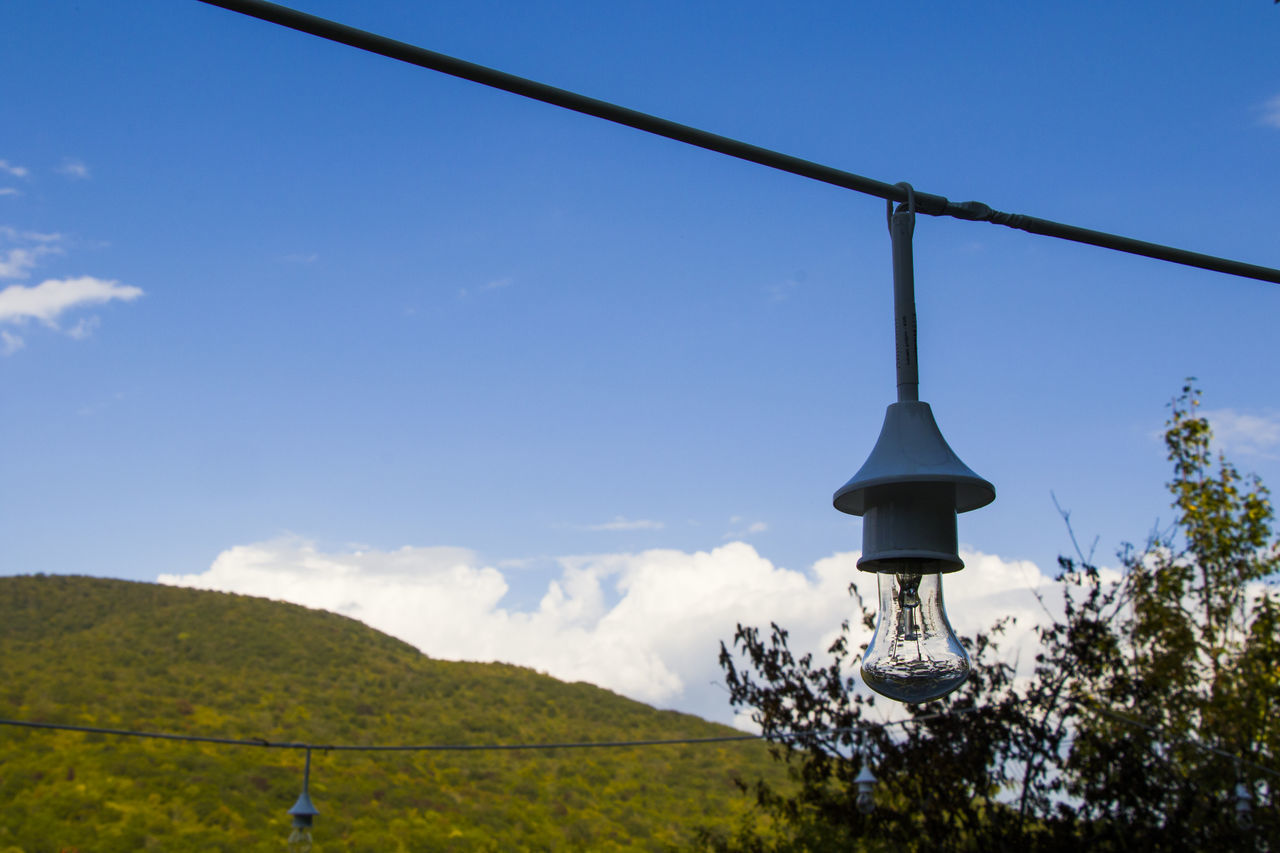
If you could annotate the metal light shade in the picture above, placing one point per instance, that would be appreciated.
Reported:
(908, 492)
(303, 811)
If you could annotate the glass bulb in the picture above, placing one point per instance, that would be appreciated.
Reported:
(300, 840)
(914, 656)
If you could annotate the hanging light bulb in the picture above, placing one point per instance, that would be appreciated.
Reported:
(914, 656)
(303, 813)
(866, 785)
(908, 493)
(300, 838)
(1244, 806)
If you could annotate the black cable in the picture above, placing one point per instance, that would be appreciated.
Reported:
(616, 744)
(156, 735)
(934, 205)
(487, 747)
(1096, 708)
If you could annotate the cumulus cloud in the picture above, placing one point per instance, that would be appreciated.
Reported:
(50, 299)
(1237, 432)
(1271, 112)
(11, 169)
(647, 625)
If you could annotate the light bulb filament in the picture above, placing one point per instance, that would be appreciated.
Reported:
(909, 601)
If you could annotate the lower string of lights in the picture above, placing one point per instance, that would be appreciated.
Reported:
(303, 812)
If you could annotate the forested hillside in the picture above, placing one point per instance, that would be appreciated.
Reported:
(91, 651)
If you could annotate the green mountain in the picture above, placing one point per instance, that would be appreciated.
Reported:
(108, 653)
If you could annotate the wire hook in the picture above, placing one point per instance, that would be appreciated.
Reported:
(910, 203)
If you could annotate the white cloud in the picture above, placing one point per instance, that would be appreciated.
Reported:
(10, 169)
(738, 529)
(1271, 112)
(12, 234)
(621, 523)
(73, 168)
(84, 328)
(647, 625)
(10, 343)
(1254, 435)
(49, 299)
(16, 263)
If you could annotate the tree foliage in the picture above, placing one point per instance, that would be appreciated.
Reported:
(1154, 702)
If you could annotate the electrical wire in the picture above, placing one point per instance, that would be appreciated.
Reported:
(487, 747)
(1107, 712)
(304, 811)
(934, 205)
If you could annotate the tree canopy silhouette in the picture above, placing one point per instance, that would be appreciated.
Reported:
(1151, 720)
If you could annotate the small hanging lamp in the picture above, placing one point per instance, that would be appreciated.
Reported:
(908, 493)
(303, 814)
(1244, 806)
(865, 783)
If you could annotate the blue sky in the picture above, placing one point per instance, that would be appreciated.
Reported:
(316, 303)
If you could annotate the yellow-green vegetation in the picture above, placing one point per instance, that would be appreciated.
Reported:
(91, 651)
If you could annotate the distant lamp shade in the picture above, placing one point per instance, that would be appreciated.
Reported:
(865, 783)
(1244, 806)
(304, 813)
